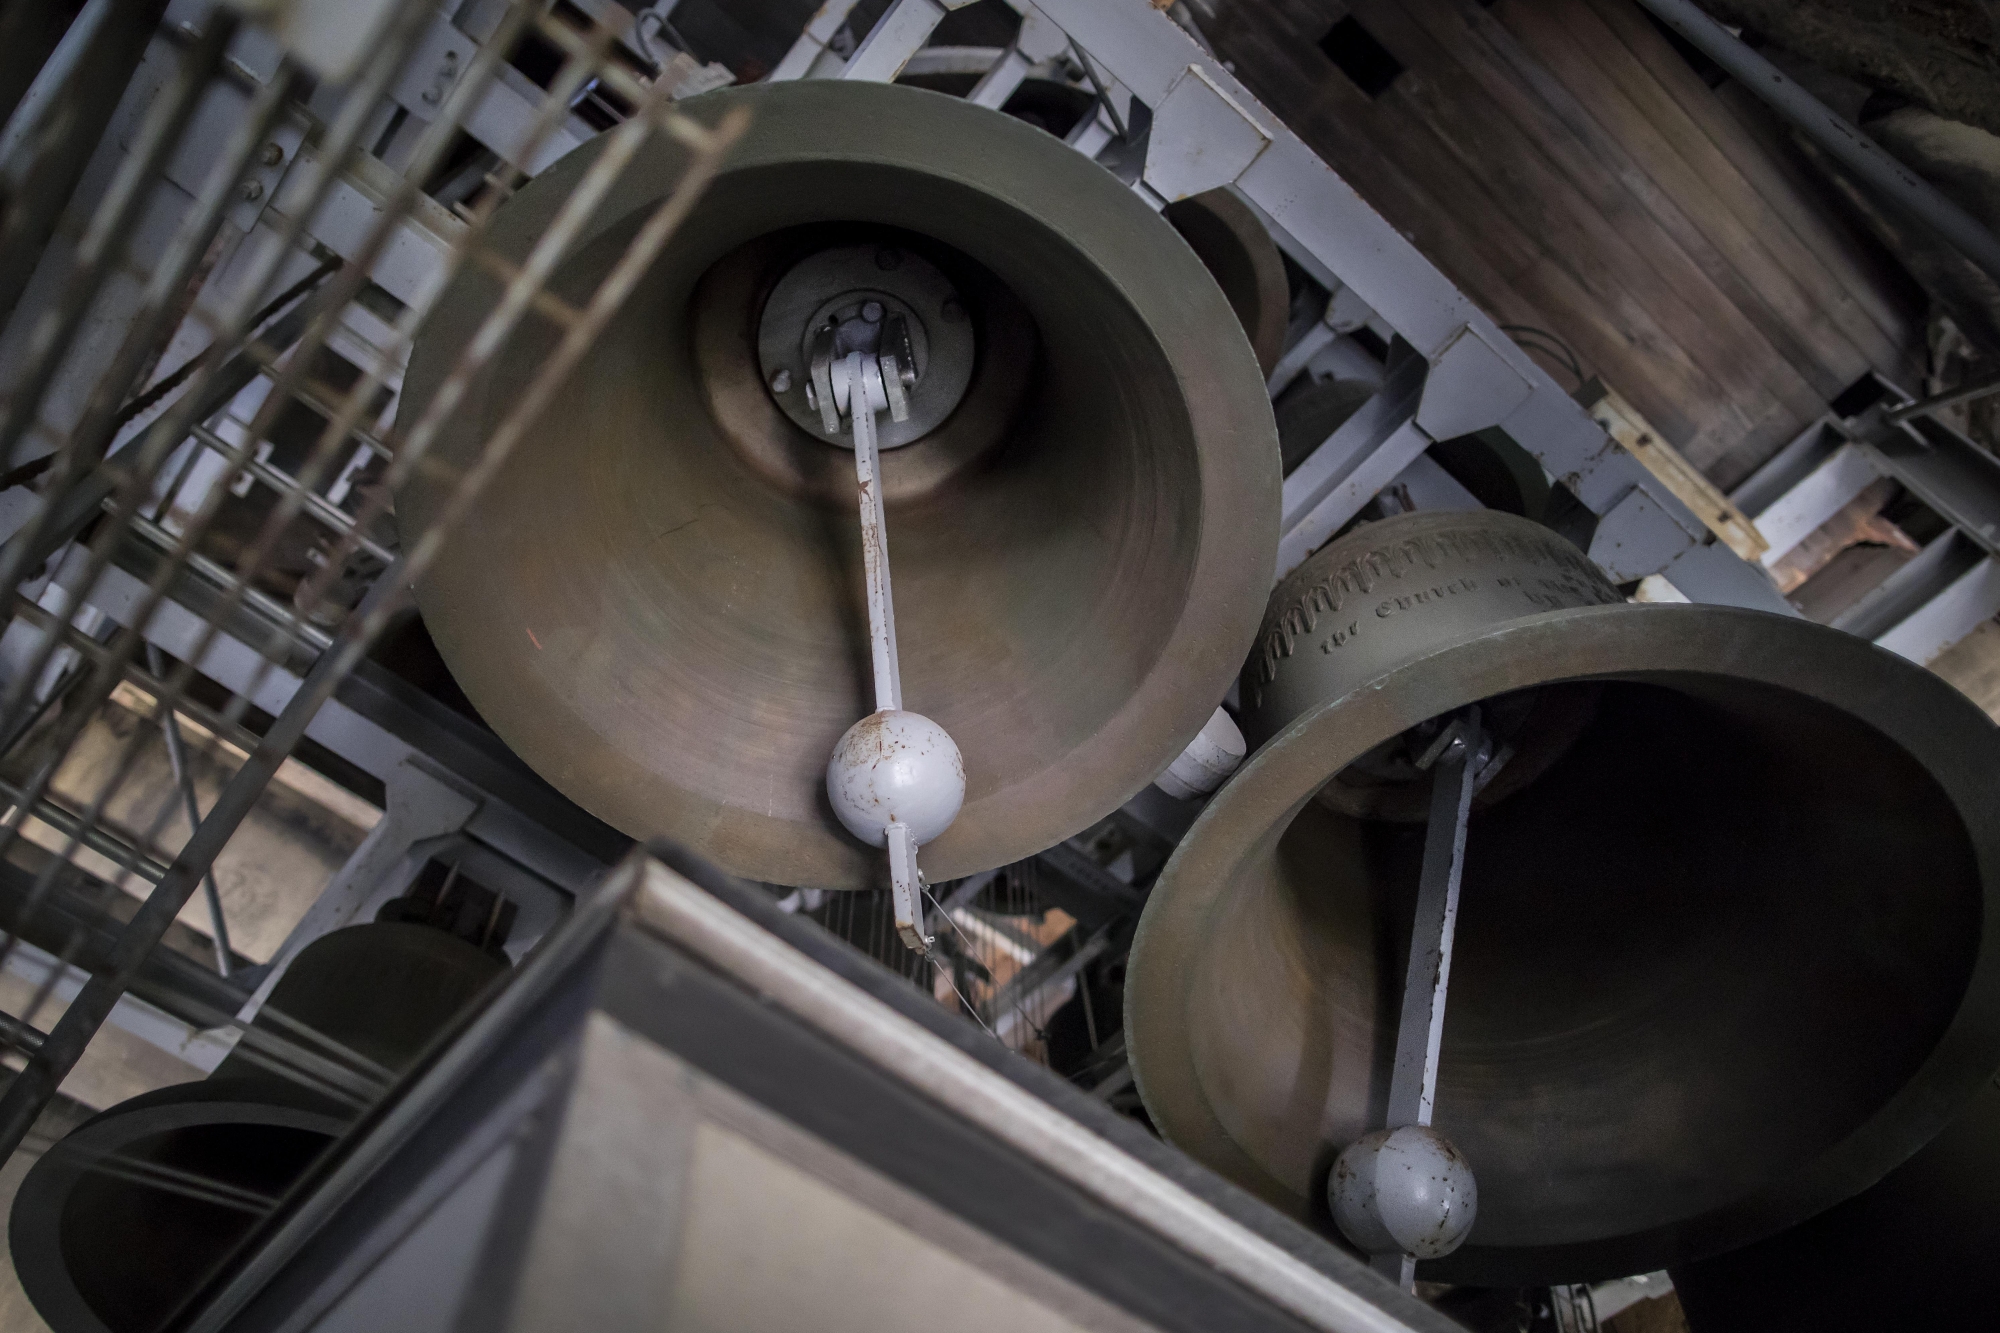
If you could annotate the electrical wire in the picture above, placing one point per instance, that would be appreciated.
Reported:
(1548, 344)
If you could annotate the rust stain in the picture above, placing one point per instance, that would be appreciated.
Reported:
(532, 639)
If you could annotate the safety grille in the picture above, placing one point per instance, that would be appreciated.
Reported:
(214, 284)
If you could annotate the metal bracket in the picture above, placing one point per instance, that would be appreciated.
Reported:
(1202, 138)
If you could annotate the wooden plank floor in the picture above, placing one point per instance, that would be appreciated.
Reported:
(1562, 163)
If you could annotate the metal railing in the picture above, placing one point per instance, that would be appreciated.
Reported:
(106, 474)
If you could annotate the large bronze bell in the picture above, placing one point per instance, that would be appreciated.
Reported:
(658, 604)
(122, 1219)
(1724, 953)
(1244, 261)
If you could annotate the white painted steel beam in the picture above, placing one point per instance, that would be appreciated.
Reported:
(233, 664)
(907, 25)
(1968, 601)
(1037, 40)
(1818, 496)
(801, 60)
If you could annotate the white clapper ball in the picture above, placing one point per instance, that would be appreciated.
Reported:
(895, 765)
(1405, 1191)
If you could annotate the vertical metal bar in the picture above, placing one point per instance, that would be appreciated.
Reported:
(894, 39)
(1923, 407)
(874, 540)
(170, 728)
(1454, 762)
(1420, 1030)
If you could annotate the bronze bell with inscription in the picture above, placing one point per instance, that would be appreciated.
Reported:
(1723, 954)
(658, 603)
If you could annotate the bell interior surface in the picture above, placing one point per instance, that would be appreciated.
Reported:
(658, 603)
(123, 1218)
(1723, 952)
(1893, 1256)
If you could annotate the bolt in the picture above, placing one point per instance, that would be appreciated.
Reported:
(872, 312)
(812, 399)
(952, 310)
(888, 257)
(446, 75)
(272, 155)
(252, 191)
(781, 382)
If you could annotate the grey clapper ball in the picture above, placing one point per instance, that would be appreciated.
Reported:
(1405, 1191)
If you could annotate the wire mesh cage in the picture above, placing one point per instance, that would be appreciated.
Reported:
(225, 734)
(214, 283)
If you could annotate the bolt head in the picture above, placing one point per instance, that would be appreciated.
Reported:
(812, 398)
(781, 382)
(272, 154)
(252, 191)
(1403, 1191)
(872, 312)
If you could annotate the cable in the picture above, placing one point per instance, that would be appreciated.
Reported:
(1549, 345)
(188, 367)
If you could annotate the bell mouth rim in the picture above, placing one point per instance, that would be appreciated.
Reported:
(1234, 461)
(1955, 741)
(46, 1186)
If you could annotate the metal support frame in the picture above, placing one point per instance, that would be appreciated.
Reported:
(170, 731)
(1951, 587)
(1458, 758)
(1207, 132)
(377, 218)
(1037, 41)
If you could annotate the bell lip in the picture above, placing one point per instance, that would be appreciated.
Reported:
(1227, 580)
(36, 1249)
(1956, 741)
